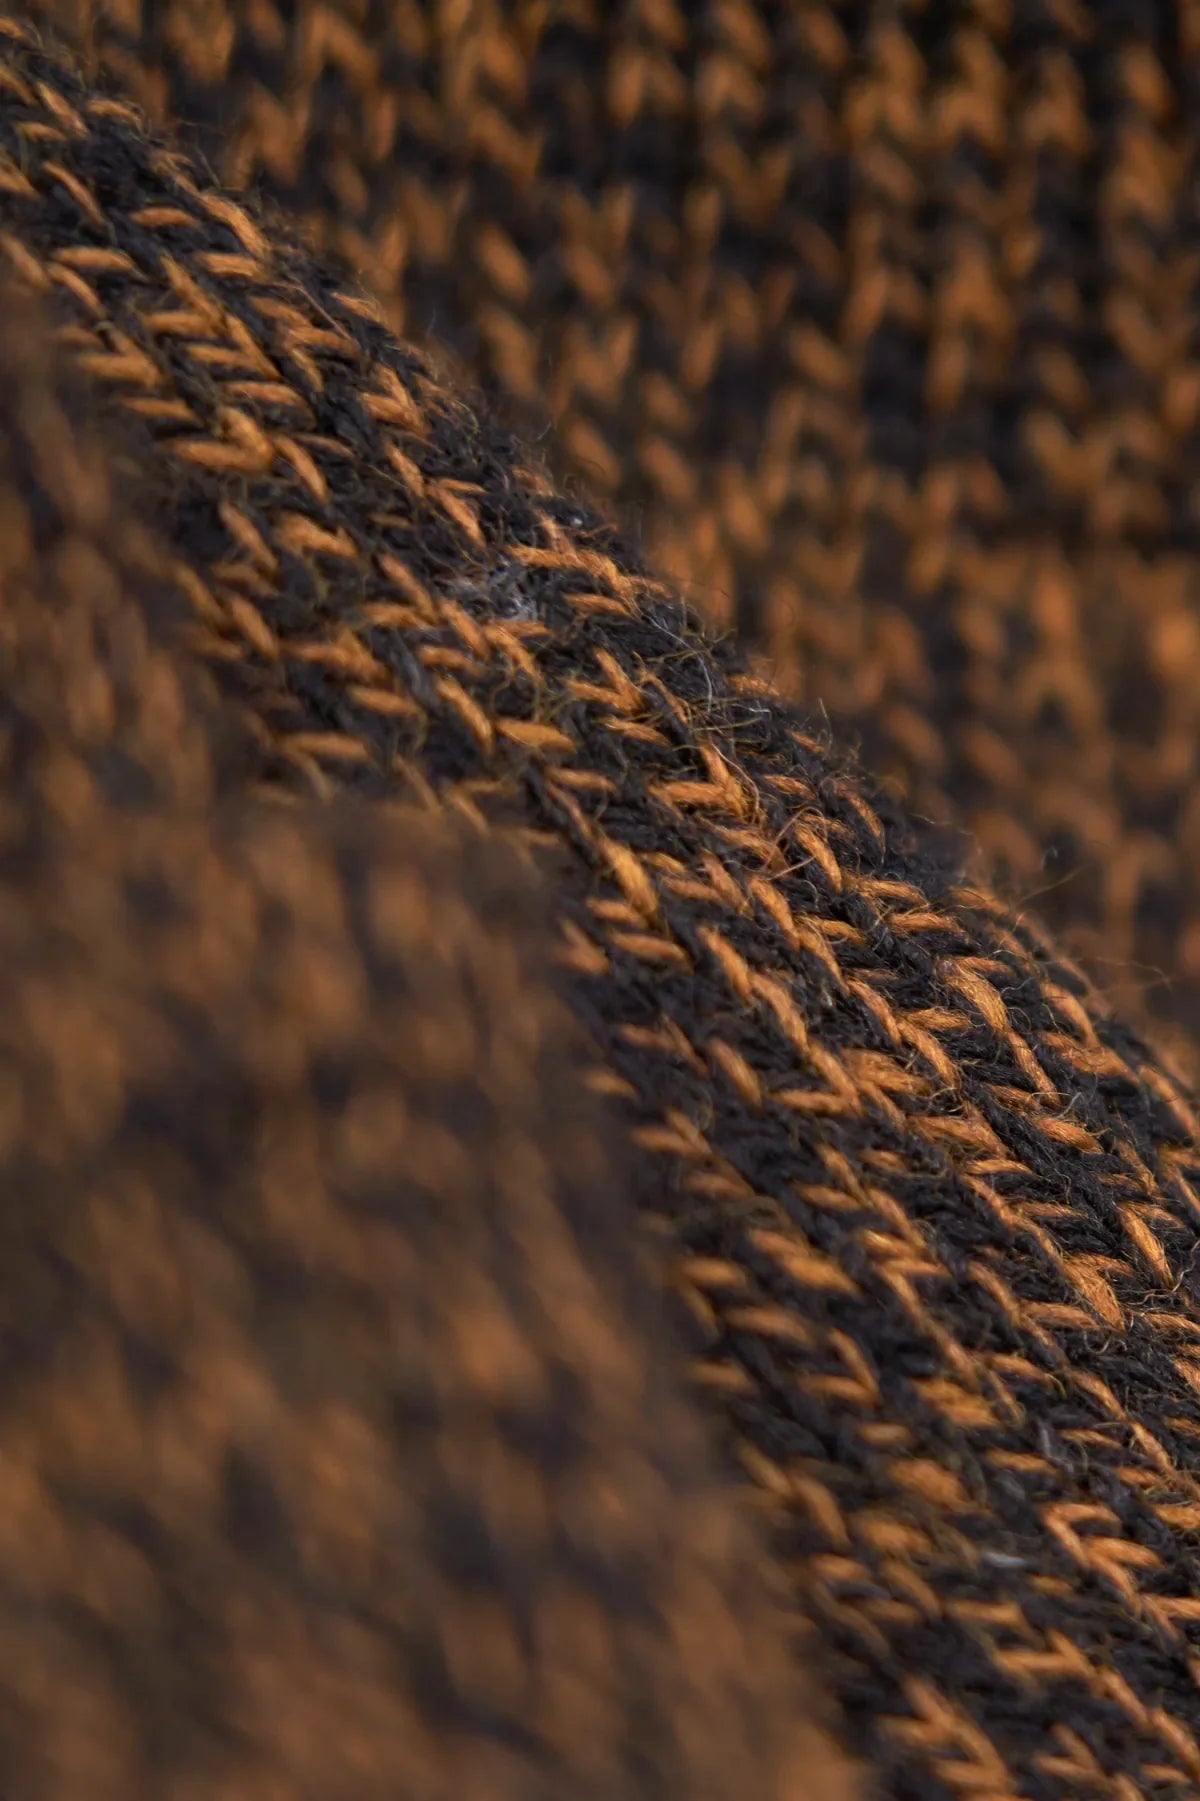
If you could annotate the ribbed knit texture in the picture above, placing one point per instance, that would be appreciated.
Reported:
(933, 1211)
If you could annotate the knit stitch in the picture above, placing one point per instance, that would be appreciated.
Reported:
(931, 1208)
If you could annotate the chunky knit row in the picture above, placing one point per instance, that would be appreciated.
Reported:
(880, 320)
(932, 1211)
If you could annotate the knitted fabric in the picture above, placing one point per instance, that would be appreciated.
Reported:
(878, 320)
(341, 1451)
(932, 1210)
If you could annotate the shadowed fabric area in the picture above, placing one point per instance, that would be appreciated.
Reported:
(929, 1209)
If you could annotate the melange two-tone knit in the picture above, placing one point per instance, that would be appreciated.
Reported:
(931, 1210)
